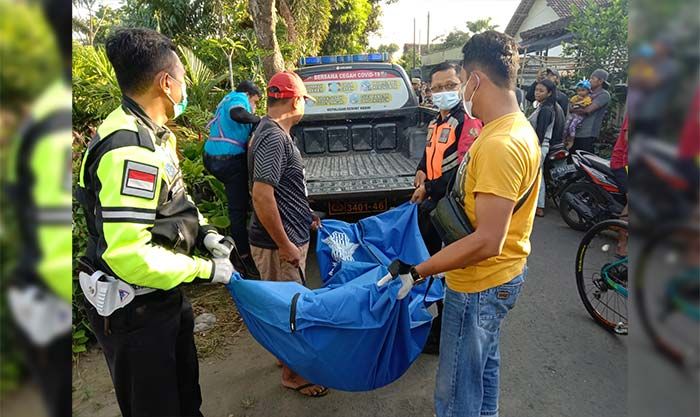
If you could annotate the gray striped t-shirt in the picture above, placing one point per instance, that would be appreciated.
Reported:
(274, 159)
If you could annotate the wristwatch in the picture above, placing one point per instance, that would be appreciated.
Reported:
(417, 278)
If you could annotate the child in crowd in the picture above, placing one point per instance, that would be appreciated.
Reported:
(581, 100)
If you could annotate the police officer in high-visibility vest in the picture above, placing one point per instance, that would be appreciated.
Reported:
(143, 228)
(39, 296)
(38, 184)
(449, 136)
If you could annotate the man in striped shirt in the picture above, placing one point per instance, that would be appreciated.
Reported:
(280, 230)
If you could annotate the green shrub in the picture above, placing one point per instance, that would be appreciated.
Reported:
(95, 89)
(31, 59)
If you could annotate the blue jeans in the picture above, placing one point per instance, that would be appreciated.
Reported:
(468, 370)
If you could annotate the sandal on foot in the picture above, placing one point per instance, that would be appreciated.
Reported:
(311, 394)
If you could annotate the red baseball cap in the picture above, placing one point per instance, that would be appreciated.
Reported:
(288, 85)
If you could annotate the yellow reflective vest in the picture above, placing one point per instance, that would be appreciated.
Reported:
(39, 181)
(142, 224)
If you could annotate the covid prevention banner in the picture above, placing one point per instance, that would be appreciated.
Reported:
(355, 91)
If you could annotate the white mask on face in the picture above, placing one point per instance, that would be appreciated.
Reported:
(446, 100)
(468, 103)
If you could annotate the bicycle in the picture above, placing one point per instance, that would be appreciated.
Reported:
(601, 274)
(667, 292)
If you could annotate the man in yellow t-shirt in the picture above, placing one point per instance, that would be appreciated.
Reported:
(486, 269)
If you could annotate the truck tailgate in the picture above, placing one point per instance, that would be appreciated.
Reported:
(345, 175)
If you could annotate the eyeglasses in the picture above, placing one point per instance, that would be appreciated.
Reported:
(446, 87)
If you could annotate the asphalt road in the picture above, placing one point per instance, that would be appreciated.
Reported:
(556, 362)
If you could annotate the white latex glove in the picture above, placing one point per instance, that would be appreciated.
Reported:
(223, 269)
(406, 285)
(213, 243)
(406, 282)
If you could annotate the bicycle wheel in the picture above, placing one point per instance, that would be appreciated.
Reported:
(667, 292)
(601, 274)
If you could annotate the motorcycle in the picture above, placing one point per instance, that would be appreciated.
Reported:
(665, 188)
(593, 195)
(559, 171)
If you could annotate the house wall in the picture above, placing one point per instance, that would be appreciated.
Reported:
(540, 14)
(555, 51)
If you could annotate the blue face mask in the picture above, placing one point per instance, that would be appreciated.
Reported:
(180, 107)
(446, 100)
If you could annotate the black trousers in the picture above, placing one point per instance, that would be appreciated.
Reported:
(433, 244)
(584, 144)
(151, 355)
(232, 171)
(50, 367)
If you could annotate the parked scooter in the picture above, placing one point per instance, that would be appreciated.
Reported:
(559, 172)
(594, 196)
(665, 187)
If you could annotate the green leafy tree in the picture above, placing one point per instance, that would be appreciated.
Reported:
(454, 39)
(480, 25)
(600, 39)
(391, 48)
(457, 38)
(95, 20)
(406, 61)
(349, 27)
(181, 20)
(312, 19)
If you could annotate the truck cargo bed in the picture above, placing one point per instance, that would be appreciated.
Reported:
(345, 175)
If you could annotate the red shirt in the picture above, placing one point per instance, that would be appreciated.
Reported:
(470, 131)
(689, 146)
(619, 153)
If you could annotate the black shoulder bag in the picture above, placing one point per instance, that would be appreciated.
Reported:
(450, 217)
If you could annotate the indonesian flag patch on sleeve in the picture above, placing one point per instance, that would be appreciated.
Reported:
(139, 180)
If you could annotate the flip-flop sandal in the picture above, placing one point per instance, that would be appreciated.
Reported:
(298, 389)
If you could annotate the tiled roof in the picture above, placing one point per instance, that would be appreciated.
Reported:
(551, 28)
(561, 7)
(519, 16)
